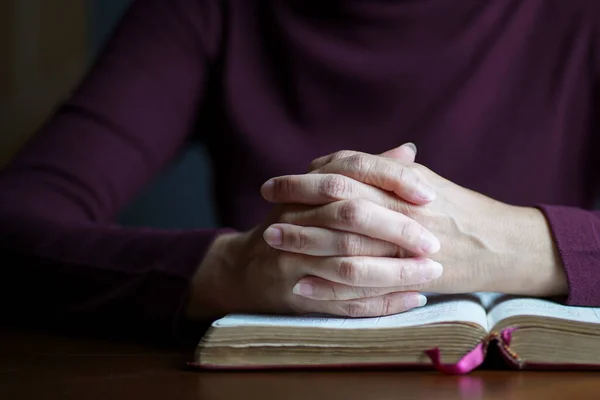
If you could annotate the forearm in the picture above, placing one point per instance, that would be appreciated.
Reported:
(103, 279)
(528, 259)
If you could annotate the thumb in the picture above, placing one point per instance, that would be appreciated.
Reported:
(406, 153)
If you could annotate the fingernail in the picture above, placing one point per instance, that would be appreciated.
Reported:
(416, 301)
(412, 146)
(273, 236)
(425, 192)
(429, 243)
(267, 189)
(303, 289)
(430, 271)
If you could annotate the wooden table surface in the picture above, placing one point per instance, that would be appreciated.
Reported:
(50, 366)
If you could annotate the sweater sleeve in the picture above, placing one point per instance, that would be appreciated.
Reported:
(64, 260)
(576, 237)
(576, 231)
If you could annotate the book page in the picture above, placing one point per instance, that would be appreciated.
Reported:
(438, 310)
(508, 306)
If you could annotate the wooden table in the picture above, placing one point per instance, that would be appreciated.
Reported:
(47, 366)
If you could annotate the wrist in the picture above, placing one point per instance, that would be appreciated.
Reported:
(531, 263)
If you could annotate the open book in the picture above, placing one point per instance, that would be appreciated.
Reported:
(451, 333)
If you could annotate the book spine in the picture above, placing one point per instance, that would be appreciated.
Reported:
(476, 357)
(510, 356)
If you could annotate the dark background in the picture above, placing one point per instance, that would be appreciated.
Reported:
(45, 48)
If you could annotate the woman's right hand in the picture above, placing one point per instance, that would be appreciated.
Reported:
(243, 274)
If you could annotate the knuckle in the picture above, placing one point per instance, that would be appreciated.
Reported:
(334, 187)
(351, 245)
(351, 272)
(387, 305)
(401, 253)
(352, 213)
(348, 213)
(282, 188)
(359, 162)
(302, 239)
(356, 309)
(395, 251)
(361, 293)
(338, 155)
(404, 208)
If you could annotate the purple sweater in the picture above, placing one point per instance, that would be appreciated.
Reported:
(500, 97)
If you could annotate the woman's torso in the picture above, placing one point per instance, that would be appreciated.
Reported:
(497, 95)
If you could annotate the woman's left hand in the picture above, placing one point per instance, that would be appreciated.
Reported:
(486, 245)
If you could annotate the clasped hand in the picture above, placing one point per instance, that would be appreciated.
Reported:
(364, 235)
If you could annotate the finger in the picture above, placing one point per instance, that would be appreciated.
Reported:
(383, 173)
(379, 272)
(366, 218)
(338, 155)
(322, 289)
(404, 153)
(326, 242)
(388, 304)
(317, 189)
